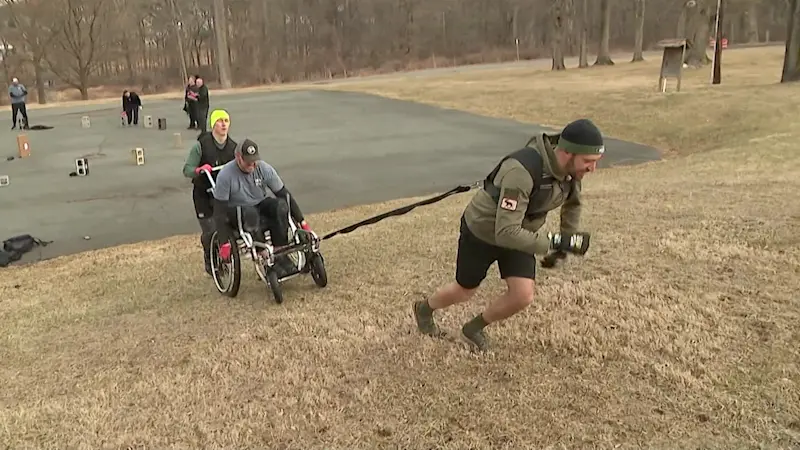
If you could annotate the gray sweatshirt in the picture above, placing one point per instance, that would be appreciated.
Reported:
(17, 93)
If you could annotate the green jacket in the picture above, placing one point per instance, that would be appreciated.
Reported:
(508, 222)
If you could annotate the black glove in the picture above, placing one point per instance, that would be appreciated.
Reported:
(575, 243)
(552, 258)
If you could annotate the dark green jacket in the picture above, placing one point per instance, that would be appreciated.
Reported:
(202, 97)
(510, 222)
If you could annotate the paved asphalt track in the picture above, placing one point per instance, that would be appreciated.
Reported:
(333, 149)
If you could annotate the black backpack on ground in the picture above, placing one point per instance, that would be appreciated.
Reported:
(15, 247)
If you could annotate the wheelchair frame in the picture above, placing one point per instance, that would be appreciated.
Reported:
(309, 259)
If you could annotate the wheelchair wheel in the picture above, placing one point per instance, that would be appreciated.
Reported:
(318, 272)
(227, 275)
(275, 286)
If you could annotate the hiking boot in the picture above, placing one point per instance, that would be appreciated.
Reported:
(476, 337)
(424, 316)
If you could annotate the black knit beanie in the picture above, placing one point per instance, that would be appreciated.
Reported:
(582, 137)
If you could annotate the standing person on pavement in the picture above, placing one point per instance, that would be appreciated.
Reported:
(188, 101)
(201, 104)
(502, 223)
(212, 149)
(131, 104)
(18, 95)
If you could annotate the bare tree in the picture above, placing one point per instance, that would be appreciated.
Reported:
(791, 59)
(583, 45)
(34, 28)
(221, 40)
(698, 30)
(178, 37)
(150, 44)
(639, 39)
(558, 11)
(752, 21)
(604, 54)
(78, 37)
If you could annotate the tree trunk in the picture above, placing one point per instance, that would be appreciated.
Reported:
(265, 47)
(179, 42)
(604, 54)
(221, 47)
(699, 14)
(568, 39)
(583, 46)
(83, 80)
(680, 31)
(6, 70)
(37, 75)
(752, 22)
(791, 59)
(557, 27)
(638, 42)
(129, 68)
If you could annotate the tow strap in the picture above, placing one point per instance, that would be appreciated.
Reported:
(403, 210)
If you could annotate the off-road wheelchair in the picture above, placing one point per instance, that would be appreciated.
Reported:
(303, 252)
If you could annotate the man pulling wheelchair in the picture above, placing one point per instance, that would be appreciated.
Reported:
(251, 185)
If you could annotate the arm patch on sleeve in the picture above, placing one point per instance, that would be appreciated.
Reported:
(508, 200)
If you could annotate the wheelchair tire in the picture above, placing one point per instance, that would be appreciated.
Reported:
(275, 286)
(236, 267)
(318, 272)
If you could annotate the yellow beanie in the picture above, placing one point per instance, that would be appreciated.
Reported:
(216, 115)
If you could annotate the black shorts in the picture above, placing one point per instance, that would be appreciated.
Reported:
(476, 256)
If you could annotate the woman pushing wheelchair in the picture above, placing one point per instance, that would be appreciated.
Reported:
(251, 187)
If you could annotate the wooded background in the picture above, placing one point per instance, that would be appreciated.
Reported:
(151, 45)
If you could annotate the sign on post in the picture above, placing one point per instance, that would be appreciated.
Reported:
(672, 62)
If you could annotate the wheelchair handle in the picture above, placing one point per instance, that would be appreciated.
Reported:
(210, 178)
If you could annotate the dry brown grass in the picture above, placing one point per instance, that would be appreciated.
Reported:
(679, 329)
(623, 99)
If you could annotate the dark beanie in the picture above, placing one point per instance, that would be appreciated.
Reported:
(583, 137)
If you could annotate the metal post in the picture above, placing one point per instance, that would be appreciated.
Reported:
(716, 72)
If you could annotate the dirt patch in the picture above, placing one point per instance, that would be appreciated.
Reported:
(679, 329)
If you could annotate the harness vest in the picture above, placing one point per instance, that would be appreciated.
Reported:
(539, 203)
(212, 155)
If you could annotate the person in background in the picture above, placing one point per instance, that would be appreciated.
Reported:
(201, 104)
(131, 104)
(189, 97)
(18, 94)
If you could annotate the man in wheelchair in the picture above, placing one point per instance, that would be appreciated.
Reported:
(251, 187)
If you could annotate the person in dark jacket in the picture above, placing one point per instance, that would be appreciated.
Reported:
(189, 101)
(131, 104)
(212, 148)
(201, 104)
